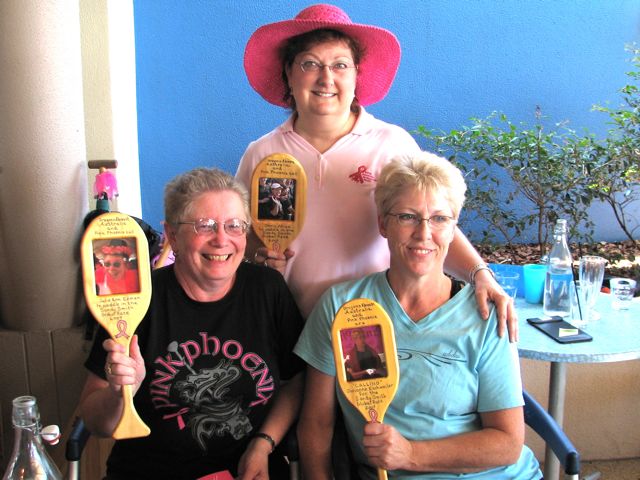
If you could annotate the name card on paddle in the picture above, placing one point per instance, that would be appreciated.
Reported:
(364, 350)
(278, 200)
(117, 287)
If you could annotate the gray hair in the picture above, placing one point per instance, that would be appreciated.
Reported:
(426, 172)
(183, 190)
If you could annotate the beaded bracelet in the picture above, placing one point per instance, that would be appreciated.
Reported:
(266, 437)
(476, 269)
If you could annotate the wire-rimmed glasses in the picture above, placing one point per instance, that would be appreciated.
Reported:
(338, 68)
(435, 222)
(208, 226)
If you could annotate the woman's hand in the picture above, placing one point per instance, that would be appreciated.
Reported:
(123, 369)
(254, 463)
(385, 447)
(273, 259)
(487, 289)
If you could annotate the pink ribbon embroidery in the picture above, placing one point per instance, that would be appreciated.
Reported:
(122, 329)
(362, 175)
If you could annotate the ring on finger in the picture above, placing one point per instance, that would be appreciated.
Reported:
(107, 369)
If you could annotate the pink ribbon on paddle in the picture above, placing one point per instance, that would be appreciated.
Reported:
(122, 329)
(373, 415)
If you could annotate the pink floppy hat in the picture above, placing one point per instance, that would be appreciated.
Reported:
(376, 71)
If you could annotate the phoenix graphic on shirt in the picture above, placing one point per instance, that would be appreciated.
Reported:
(211, 410)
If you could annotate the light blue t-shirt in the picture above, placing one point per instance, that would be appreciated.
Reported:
(452, 364)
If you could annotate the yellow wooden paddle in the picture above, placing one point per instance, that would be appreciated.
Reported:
(278, 200)
(364, 350)
(117, 299)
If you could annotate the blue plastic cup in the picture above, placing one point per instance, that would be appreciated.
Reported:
(534, 275)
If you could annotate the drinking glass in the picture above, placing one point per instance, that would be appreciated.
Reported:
(509, 282)
(622, 290)
(591, 274)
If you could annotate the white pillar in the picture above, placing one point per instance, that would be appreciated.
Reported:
(109, 72)
(43, 178)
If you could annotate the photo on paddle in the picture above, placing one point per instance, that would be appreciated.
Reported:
(363, 353)
(276, 198)
(116, 266)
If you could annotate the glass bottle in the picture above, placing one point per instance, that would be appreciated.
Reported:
(559, 279)
(29, 460)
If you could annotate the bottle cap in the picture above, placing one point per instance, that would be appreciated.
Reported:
(51, 434)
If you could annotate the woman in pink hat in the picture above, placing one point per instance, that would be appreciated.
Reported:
(326, 69)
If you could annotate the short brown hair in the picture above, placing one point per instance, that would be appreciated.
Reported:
(181, 192)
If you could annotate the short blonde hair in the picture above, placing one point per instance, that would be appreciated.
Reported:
(183, 190)
(426, 172)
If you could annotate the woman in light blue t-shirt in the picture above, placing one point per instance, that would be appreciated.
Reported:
(458, 409)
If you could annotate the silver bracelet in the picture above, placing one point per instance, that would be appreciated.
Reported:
(476, 269)
(266, 437)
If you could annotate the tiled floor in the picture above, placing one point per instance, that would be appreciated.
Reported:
(614, 470)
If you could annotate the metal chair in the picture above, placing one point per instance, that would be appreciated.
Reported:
(540, 422)
(74, 446)
(544, 425)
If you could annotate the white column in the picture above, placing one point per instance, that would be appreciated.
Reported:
(43, 178)
(109, 72)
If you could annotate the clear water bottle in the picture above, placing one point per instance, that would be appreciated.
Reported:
(29, 460)
(559, 280)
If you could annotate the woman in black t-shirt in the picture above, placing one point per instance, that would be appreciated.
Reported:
(211, 365)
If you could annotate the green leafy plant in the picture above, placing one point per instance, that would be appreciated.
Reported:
(521, 177)
(615, 178)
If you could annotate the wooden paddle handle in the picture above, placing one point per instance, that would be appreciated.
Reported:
(130, 424)
(382, 474)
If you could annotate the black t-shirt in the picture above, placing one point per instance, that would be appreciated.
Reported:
(212, 372)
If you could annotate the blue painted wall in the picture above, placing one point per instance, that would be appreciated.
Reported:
(460, 59)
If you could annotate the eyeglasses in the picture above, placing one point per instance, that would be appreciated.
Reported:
(115, 264)
(207, 226)
(435, 222)
(338, 68)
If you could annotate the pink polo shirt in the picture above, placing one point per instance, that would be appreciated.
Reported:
(340, 239)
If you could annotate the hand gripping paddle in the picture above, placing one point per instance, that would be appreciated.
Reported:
(114, 251)
(278, 200)
(364, 349)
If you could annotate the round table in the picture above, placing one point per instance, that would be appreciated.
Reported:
(612, 342)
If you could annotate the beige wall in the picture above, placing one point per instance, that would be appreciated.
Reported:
(42, 163)
(601, 409)
(47, 365)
